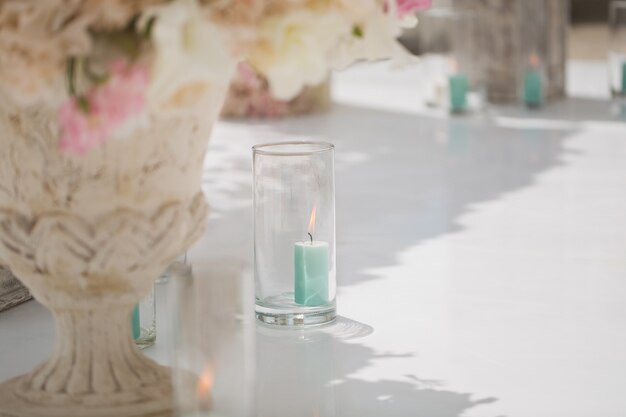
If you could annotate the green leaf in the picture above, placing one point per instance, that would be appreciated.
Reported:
(147, 32)
(71, 75)
(83, 104)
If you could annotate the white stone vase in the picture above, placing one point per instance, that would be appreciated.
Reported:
(88, 235)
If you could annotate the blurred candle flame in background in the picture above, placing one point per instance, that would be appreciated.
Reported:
(454, 65)
(205, 388)
(533, 59)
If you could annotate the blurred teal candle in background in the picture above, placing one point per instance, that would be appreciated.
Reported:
(136, 323)
(533, 88)
(311, 273)
(533, 95)
(624, 77)
(458, 85)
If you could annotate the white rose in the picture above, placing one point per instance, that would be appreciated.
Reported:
(294, 50)
(376, 32)
(192, 54)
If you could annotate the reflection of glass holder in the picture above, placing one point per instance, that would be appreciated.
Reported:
(310, 355)
(213, 331)
(294, 233)
(617, 48)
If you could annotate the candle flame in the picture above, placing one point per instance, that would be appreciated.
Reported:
(454, 65)
(311, 229)
(534, 60)
(205, 383)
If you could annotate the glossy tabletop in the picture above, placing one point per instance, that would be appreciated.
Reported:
(481, 259)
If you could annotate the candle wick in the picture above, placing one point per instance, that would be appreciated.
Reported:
(311, 236)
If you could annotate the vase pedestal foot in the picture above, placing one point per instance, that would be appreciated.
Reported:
(95, 370)
(12, 404)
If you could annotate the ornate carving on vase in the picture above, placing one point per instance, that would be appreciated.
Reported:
(90, 274)
(159, 164)
(66, 254)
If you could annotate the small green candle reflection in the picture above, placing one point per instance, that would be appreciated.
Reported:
(311, 270)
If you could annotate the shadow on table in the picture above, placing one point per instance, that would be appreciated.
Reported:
(401, 179)
(578, 110)
(308, 373)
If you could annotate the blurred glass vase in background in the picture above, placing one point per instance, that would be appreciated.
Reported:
(454, 67)
(617, 48)
(523, 45)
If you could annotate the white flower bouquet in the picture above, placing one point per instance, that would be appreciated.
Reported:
(116, 60)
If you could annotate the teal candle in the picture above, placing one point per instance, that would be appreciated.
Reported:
(624, 77)
(533, 89)
(135, 323)
(311, 273)
(458, 86)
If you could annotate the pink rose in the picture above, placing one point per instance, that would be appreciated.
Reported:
(80, 131)
(406, 7)
(109, 107)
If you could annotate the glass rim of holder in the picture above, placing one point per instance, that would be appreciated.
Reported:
(321, 146)
(295, 278)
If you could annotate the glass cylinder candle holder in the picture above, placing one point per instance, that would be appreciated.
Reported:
(617, 48)
(294, 233)
(143, 318)
(213, 332)
(143, 321)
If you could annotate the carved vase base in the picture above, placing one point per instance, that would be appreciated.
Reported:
(12, 405)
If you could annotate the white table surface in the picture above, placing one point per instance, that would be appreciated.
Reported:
(481, 259)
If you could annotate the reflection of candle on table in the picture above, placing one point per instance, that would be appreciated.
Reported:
(136, 323)
(533, 89)
(311, 269)
(624, 77)
(204, 390)
(458, 86)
